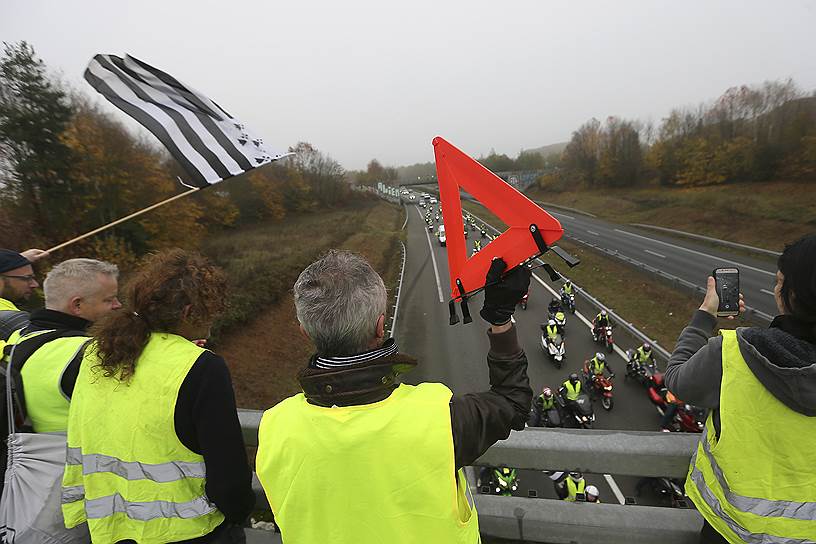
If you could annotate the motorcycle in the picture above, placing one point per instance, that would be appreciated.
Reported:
(498, 481)
(688, 419)
(603, 335)
(601, 386)
(548, 418)
(560, 319)
(484, 234)
(523, 301)
(578, 411)
(554, 348)
(643, 373)
(670, 490)
(657, 391)
(568, 302)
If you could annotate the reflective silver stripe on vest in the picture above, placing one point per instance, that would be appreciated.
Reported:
(146, 511)
(73, 456)
(172, 471)
(747, 536)
(73, 494)
(760, 507)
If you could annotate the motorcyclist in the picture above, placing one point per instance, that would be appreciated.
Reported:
(551, 329)
(554, 306)
(569, 487)
(567, 288)
(571, 388)
(597, 365)
(644, 354)
(601, 320)
(592, 494)
(546, 400)
(477, 245)
(672, 404)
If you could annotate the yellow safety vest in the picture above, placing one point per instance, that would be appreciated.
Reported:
(642, 356)
(367, 474)
(572, 392)
(574, 488)
(46, 405)
(597, 366)
(7, 305)
(568, 290)
(552, 331)
(126, 472)
(757, 483)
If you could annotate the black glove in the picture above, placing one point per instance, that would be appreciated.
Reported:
(501, 299)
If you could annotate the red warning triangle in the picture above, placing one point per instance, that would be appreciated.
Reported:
(454, 169)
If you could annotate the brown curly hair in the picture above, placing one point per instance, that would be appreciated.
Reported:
(155, 299)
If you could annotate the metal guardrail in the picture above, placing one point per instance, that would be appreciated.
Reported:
(635, 453)
(393, 322)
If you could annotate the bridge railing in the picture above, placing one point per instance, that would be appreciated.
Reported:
(626, 453)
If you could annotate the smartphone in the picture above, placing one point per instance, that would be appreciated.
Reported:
(727, 285)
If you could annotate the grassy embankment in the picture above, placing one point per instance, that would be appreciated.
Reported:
(765, 215)
(259, 336)
(652, 306)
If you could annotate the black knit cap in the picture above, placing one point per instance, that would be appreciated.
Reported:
(9, 260)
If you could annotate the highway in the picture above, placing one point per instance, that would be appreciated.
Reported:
(680, 257)
(685, 259)
(455, 355)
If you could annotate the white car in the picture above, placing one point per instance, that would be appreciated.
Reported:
(433, 201)
(440, 235)
(422, 203)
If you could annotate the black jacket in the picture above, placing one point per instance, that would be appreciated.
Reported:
(478, 420)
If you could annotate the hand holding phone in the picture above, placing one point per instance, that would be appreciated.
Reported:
(726, 284)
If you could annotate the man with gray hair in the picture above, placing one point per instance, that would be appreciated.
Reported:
(358, 457)
(48, 351)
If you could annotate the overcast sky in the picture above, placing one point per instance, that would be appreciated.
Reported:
(366, 79)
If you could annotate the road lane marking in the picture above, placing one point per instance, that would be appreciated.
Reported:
(698, 253)
(593, 233)
(557, 214)
(768, 292)
(433, 259)
(655, 253)
(615, 489)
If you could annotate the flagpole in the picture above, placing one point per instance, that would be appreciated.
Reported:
(123, 219)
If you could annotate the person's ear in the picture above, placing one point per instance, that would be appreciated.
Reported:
(185, 312)
(304, 333)
(381, 327)
(75, 305)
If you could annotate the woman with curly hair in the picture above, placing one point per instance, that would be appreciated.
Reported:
(155, 450)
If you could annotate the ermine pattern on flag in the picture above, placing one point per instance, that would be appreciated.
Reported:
(208, 142)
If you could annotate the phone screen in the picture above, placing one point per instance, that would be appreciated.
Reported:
(727, 280)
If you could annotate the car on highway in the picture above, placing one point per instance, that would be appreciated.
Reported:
(422, 203)
(433, 201)
(440, 235)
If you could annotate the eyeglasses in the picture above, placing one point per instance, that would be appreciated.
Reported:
(27, 278)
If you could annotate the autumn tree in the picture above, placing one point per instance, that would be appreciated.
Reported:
(34, 112)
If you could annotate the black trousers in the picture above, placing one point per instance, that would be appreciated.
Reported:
(709, 535)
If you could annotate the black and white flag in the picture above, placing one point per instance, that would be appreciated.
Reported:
(209, 143)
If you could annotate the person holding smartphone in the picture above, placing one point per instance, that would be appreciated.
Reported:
(753, 475)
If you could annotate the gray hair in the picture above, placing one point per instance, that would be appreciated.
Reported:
(338, 300)
(74, 278)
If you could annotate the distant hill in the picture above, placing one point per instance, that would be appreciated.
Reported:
(547, 150)
(428, 169)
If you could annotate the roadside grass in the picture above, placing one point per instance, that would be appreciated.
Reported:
(260, 336)
(654, 307)
(765, 215)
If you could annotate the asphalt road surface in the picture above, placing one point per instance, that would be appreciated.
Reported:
(456, 355)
